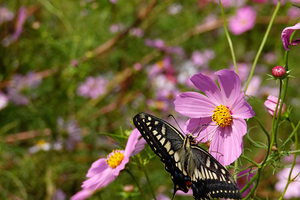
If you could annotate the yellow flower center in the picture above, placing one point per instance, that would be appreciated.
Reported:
(115, 158)
(41, 143)
(222, 116)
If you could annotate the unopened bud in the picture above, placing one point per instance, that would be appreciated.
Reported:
(279, 72)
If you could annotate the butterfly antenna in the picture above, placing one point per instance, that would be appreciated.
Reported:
(170, 115)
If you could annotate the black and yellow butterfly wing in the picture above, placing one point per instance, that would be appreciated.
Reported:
(190, 166)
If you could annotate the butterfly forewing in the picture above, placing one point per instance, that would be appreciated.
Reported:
(163, 138)
(190, 166)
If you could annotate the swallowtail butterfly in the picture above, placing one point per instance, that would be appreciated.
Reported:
(190, 166)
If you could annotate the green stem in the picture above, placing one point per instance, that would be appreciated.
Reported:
(262, 44)
(291, 135)
(137, 183)
(292, 167)
(249, 160)
(150, 185)
(228, 38)
(269, 141)
(275, 120)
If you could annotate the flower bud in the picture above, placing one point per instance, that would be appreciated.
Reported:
(279, 72)
(271, 103)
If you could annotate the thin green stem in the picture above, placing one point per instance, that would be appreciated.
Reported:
(290, 179)
(291, 135)
(228, 38)
(149, 182)
(137, 184)
(58, 13)
(262, 44)
(275, 120)
(268, 138)
(249, 160)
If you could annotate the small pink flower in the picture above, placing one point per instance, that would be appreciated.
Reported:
(105, 170)
(3, 100)
(222, 110)
(92, 87)
(271, 103)
(5, 15)
(137, 32)
(279, 72)
(293, 188)
(286, 35)
(202, 58)
(243, 21)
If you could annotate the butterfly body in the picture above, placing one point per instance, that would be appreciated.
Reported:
(190, 166)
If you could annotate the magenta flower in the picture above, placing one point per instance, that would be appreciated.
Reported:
(243, 21)
(271, 103)
(243, 178)
(222, 111)
(105, 170)
(286, 35)
(293, 188)
(92, 87)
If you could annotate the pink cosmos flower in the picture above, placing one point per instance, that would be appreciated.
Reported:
(293, 188)
(105, 170)
(92, 87)
(271, 103)
(243, 21)
(221, 111)
(286, 35)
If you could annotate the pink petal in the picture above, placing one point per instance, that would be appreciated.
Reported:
(97, 167)
(226, 145)
(239, 127)
(131, 142)
(99, 180)
(193, 126)
(83, 194)
(208, 86)
(286, 35)
(139, 146)
(193, 104)
(230, 85)
(241, 109)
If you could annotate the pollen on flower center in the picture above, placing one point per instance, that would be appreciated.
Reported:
(222, 116)
(115, 158)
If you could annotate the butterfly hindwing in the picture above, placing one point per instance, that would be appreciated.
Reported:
(218, 182)
(189, 165)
